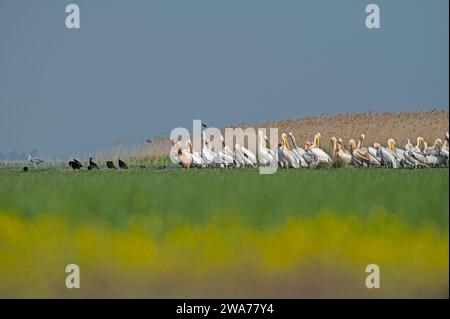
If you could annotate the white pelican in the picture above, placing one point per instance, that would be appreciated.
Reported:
(310, 157)
(358, 156)
(374, 152)
(411, 160)
(265, 157)
(298, 151)
(420, 146)
(225, 154)
(271, 151)
(249, 155)
(408, 157)
(180, 155)
(399, 153)
(196, 159)
(321, 155)
(432, 153)
(435, 155)
(207, 154)
(339, 152)
(244, 157)
(388, 157)
(285, 155)
(416, 152)
(370, 152)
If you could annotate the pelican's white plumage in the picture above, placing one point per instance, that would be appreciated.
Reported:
(298, 151)
(196, 158)
(274, 153)
(339, 151)
(180, 155)
(387, 156)
(435, 154)
(244, 157)
(309, 156)
(207, 154)
(285, 155)
(225, 155)
(371, 155)
(359, 157)
(416, 152)
(265, 156)
(173, 154)
(322, 157)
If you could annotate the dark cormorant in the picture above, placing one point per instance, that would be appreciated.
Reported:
(122, 164)
(92, 164)
(75, 164)
(110, 164)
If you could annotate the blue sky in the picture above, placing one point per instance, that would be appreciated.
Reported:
(137, 69)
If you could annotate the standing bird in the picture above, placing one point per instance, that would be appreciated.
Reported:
(359, 157)
(369, 151)
(225, 154)
(92, 164)
(285, 154)
(122, 164)
(244, 157)
(271, 151)
(265, 157)
(180, 155)
(322, 157)
(310, 157)
(432, 153)
(196, 159)
(420, 146)
(416, 153)
(110, 164)
(75, 164)
(388, 157)
(173, 154)
(410, 161)
(207, 154)
(339, 151)
(298, 151)
(435, 156)
(34, 160)
(362, 154)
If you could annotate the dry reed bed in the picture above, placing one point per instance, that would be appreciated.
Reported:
(377, 127)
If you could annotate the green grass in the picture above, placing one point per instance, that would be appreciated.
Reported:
(171, 233)
(196, 196)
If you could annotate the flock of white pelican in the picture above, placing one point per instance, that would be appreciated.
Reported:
(289, 155)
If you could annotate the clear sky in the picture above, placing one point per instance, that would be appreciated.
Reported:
(137, 69)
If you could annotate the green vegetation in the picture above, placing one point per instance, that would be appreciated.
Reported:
(196, 196)
(171, 233)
